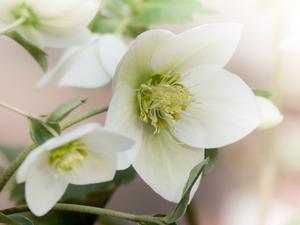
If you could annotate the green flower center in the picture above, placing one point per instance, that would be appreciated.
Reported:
(162, 99)
(26, 12)
(68, 156)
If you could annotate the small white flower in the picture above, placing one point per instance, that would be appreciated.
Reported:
(86, 155)
(55, 23)
(271, 115)
(88, 66)
(174, 98)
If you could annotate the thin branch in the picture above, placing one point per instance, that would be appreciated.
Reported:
(92, 210)
(13, 25)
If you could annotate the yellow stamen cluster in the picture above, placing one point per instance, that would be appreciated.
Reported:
(68, 156)
(162, 99)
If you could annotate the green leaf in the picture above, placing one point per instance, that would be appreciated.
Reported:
(167, 11)
(8, 220)
(181, 207)
(103, 24)
(15, 219)
(39, 55)
(39, 132)
(211, 155)
(10, 153)
(21, 219)
(262, 93)
(63, 110)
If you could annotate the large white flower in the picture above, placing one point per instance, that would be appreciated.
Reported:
(174, 98)
(86, 155)
(90, 65)
(55, 23)
(271, 115)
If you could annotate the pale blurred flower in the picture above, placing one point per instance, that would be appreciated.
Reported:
(271, 115)
(88, 66)
(85, 155)
(174, 98)
(55, 23)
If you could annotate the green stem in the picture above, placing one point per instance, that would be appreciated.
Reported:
(84, 116)
(20, 112)
(92, 210)
(13, 25)
(9, 172)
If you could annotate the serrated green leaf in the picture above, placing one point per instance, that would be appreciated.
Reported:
(39, 132)
(21, 219)
(262, 93)
(7, 220)
(39, 55)
(181, 207)
(211, 155)
(63, 110)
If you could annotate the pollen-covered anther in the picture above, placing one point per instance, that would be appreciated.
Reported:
(162, 99)
(68, 156)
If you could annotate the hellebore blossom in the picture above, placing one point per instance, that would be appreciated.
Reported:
(86, 155)
(271, 115)
(173, 97)
(91, 65)
(55, 23)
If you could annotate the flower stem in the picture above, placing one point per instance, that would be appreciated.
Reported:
(84, 116)
(9, 172)
(93, 210)
(13, 25)
(20, 112)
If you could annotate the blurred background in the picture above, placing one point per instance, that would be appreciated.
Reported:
(255, 181)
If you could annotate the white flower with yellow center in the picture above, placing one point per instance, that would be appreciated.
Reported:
(90, 65)
(55, 23)
(174, 98)
(87, 155)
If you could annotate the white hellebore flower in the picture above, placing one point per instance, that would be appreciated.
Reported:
(271, 115)
(91, 65)
(174, 98)
(87, 155)
(55, 23)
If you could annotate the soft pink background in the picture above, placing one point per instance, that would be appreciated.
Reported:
(238, 166)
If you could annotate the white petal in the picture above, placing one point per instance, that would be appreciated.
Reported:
(104, 141)
(43, 189)
(136, 64)
(165, 165)
(96, 168)
(111, 50)
(211, 44)
(122, 116)
(224, 112)
(271, 116)
(85, 70)
(60, 68)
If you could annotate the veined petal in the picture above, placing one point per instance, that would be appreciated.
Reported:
(136, 64)
(96, 168)
(123, 116)
(165, 165)
(225, 110)
(43, 189)
(271, 115)
(210, 45)
(111, 50)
